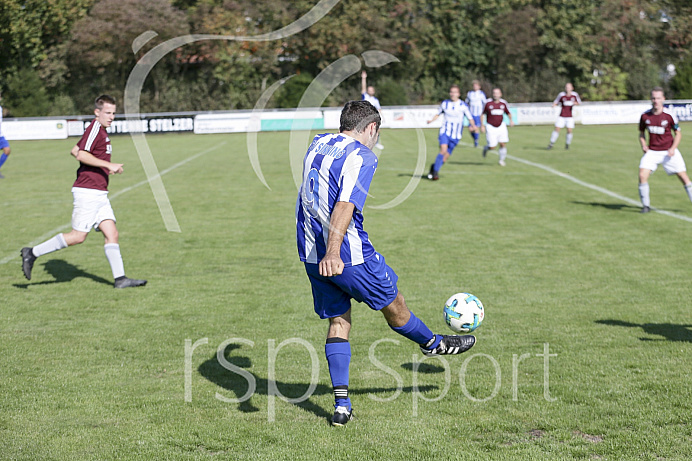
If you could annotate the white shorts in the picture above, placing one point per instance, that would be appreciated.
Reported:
(496, 134)
(671, 165)
(564, 122)
(91, 207)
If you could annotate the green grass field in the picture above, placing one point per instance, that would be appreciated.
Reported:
(89, 372)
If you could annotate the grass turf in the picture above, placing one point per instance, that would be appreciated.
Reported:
(94, 373)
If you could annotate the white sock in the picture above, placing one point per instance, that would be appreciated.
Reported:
(554, 136)
(568, 141)
(644, 194)
(688, 189)
(54, 244)
(114, 259)
(503, 153)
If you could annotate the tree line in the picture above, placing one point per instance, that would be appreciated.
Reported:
(56, 56)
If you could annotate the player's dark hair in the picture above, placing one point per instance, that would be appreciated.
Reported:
(657, 88)
(103, 99)
(357, 115)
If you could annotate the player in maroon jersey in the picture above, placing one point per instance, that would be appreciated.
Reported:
(92, 209)
(664, 139)
(567, 100)
(495, 128)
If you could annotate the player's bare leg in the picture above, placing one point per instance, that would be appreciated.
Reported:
(553, 137)
(338, 352)
(687, 184)
(644, 189)
(115, 259)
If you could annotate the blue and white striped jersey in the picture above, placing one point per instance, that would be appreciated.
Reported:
(336, 168)
(476, 101)
(454, 112)
(372, 100)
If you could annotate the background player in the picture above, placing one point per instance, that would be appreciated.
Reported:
(496, 129)
(92, 209)
(4, 145)
(567, 100)
(476, 100)
(454, 111)
(662, 148)
(340, 261)
(368, 94)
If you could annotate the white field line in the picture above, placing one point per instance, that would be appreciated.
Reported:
(589, 186)
(65, 227)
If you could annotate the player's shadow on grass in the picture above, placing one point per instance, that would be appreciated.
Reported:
(611, 206)
(457, 162)
(426, 368)
(213, 371)
(670, 331)
(62, 272)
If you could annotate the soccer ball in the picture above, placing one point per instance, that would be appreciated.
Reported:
(464, 312)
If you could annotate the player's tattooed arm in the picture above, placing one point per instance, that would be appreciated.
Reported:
(341, 217)
(642, 141)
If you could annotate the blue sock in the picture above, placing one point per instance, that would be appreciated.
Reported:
(3, 157)
(439, 161)
(475, 136)
(418, 332)
(338, 352)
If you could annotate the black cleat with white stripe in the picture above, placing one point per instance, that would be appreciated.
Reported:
(451, 345)
(342, 415)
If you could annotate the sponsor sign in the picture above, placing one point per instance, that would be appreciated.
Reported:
(34, 129)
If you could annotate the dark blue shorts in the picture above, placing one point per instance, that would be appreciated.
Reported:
(372, 283)
(451, 143)
(3, 142)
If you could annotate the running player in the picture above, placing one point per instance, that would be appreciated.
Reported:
(567, 100)
(368, 94)
(4, 145)
(92, 209)
(476, 100)
(454, 111)
(340, 261)
(664, 139)
(496, 129)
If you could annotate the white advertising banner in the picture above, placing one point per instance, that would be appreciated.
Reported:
(539, 114)
(612, 113)
(34, 129)
(222, 123)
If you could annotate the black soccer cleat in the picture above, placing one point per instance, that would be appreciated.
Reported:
(485, 151)
(451, 345)
(28, 259)
(645, 209)
(566, 146)
(341, 416)
(550, 146)
(124, 282)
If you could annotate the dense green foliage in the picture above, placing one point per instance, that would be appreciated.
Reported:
(610, 49)
(93, 373)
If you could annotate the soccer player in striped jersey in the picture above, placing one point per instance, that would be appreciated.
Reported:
(454, 111)
(662, 149)
(4, 145)
(92, 209)
(339, 259)
(367, 93)
(496, 128)
(476, 100)
(566, 100)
